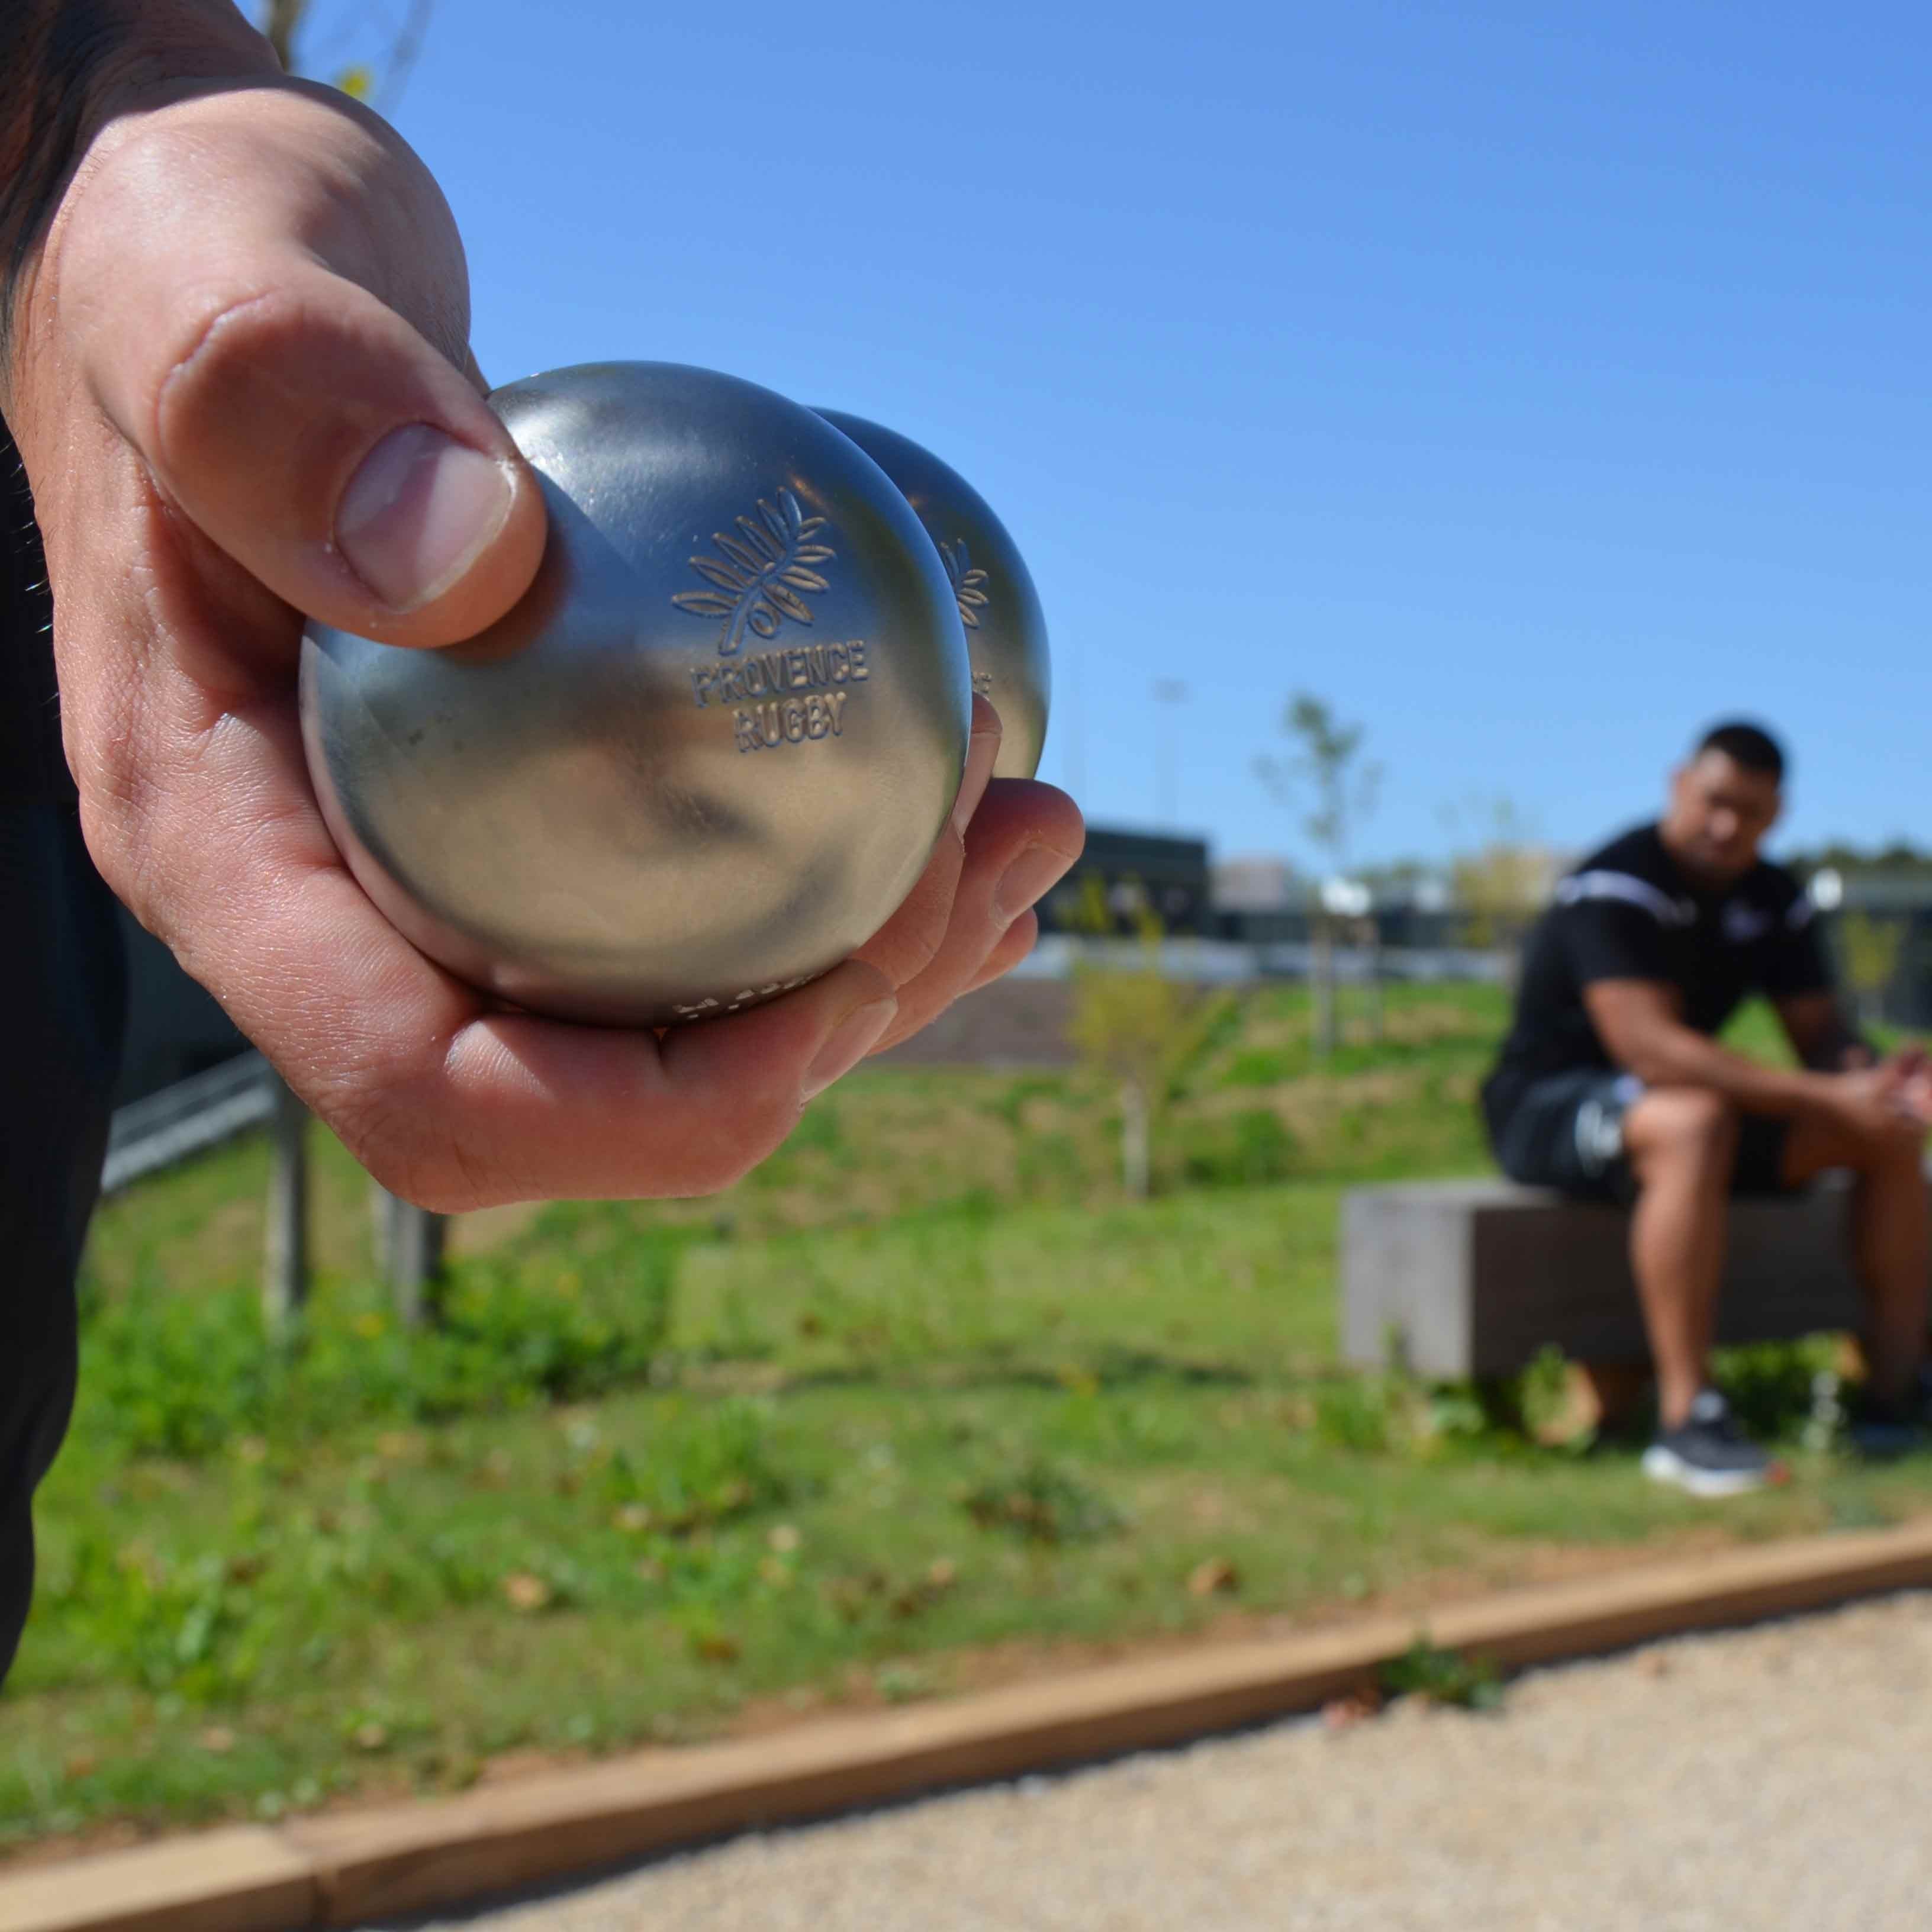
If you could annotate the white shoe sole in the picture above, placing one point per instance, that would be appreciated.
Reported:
(1665, 1465)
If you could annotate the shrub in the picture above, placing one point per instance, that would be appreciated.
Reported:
(1771, 1384)
(1263, 1067)
(1353, 1412)
(1251, 1149)
(1048, 1166)
(705, 1466)
(191, 1628)
(180, 1377)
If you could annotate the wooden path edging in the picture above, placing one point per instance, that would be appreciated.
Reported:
(343, 1868)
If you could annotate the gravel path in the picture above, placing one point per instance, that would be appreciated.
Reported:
(1748, 1782)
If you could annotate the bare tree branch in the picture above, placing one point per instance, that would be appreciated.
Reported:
(281, 19)
(379, 81)
(403, 54)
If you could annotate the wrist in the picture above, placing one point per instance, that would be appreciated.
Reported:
(1814, 1092)
(68, 68)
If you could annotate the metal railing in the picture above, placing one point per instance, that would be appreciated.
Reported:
(200, 1112)
(205, 1109)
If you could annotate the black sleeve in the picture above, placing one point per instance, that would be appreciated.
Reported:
(1612, 939)
(31, 763)
(1793, 959)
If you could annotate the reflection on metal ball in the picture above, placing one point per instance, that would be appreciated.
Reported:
(1006, 630)
(709, 752)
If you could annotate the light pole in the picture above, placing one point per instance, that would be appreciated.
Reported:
(1170, 692)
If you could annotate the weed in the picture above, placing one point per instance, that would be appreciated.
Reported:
(1044, 1503)
(1442, 1677)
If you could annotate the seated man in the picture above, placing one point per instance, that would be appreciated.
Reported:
(1610, 1086)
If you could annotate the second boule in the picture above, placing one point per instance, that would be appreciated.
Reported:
(1005, 629)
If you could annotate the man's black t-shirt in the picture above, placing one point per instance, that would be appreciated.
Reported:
(1629, 911)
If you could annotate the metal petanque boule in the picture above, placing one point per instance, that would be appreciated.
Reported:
(1006, 630)
(709, 752)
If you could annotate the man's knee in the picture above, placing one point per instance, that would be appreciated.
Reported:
(1875, 1152)
(1672, 1125)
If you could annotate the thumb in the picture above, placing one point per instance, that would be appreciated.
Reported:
(310, 432)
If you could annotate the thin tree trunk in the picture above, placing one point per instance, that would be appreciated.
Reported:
(1134, 1138)
(1322, 985)
(283, 17)
(285, 1267)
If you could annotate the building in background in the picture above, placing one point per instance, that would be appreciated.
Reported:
(1123, 876)
(1257, 882)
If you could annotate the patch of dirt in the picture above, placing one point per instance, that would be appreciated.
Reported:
(1011, 1023)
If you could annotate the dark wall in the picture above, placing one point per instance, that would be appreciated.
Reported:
(1170, 876)
(174, 1028)
(1396, 926)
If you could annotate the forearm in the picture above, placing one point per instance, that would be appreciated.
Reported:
(65, 67)
(1678, 1056)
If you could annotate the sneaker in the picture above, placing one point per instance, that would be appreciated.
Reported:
(1881, 1430)
(1707, 1453)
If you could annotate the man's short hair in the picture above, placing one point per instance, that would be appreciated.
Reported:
(1749, 746)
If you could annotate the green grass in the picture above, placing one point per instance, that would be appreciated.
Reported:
(924, 1398)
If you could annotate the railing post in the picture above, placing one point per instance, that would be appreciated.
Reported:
(409, 1243)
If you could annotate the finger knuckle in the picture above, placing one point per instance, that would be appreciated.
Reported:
(226, 334)
(410, 1150)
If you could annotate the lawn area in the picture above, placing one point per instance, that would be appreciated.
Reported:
(924, 1403)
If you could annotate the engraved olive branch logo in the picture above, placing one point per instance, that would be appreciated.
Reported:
(969, 582)
(760, 575)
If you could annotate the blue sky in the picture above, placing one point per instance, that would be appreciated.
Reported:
(1535, 383)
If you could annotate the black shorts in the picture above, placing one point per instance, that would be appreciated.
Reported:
(1566, 1130)
(61, 990)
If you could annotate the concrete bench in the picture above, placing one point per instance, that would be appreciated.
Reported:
(1473, 1278)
